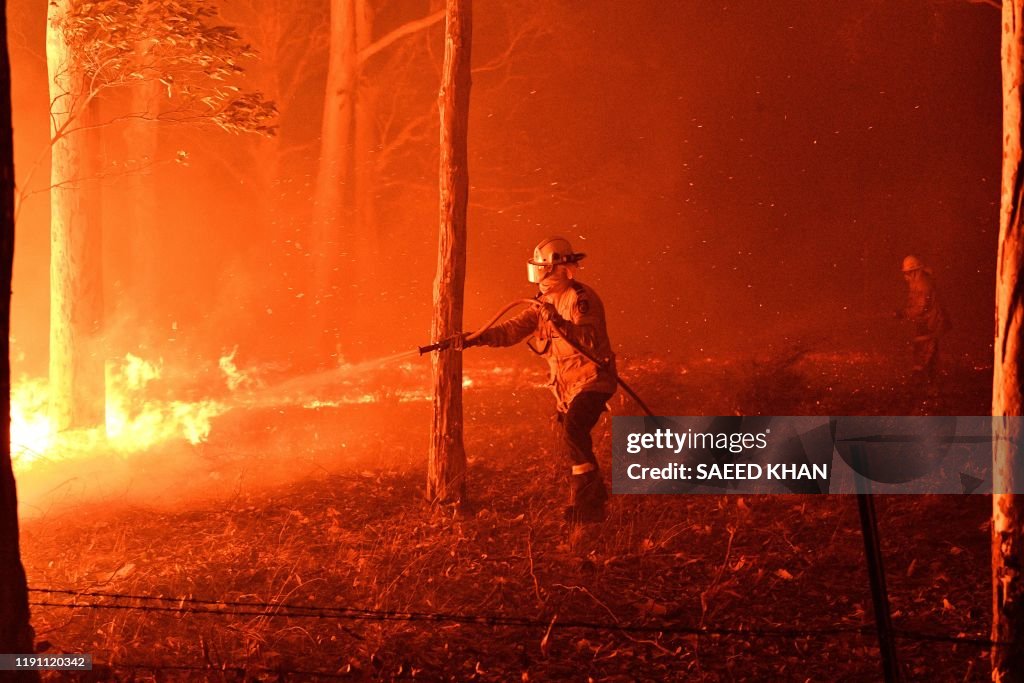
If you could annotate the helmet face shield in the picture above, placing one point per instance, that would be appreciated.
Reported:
(537, 272)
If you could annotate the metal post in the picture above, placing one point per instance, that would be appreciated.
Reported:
(876, 571)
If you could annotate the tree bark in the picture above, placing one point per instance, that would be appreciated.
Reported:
(334, 190)
(1008, 461)
(76, 282)
(143, 233)
(16, 635)
(346, 235)
(334, 184)
(365, 150)
(446, 470)
(364, 263)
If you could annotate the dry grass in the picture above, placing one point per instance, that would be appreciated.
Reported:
(356, 533)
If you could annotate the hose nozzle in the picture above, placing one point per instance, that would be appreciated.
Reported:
(438, 345)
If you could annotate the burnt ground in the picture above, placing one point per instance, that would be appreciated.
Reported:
(306, 549)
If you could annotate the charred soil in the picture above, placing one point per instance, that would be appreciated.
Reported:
(343, 571)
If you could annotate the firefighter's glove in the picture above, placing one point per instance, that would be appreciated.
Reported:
(549, 313)
(461, 341)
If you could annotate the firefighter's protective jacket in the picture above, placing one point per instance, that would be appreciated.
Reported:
(570, 372)
(923, 308)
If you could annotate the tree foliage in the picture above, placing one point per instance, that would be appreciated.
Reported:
(180, 43)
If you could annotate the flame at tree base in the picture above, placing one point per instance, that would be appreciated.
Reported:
(140, 414)
(31, 430)
(134, 422)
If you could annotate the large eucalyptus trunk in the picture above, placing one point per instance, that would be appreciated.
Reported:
(364, 154)
(344, 232)
(16, 634)
(334, 182)
(446, 469)
(367, 261)
(1008, 461)
(76, 282)
(143, 234)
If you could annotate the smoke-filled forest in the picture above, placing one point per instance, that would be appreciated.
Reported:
(264, 423)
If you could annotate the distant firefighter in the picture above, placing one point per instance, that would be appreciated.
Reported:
(925, 312)
(581, 386)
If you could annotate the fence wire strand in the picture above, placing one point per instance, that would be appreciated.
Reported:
(188, 605)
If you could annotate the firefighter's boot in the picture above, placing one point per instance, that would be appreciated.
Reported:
(587, 495)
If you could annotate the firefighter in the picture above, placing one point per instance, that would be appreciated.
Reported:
(568, 309)
(926, 313)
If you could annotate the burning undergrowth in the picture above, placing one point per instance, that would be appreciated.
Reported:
(145, 409)
(136, 418)
(322, 508)
(172, 434)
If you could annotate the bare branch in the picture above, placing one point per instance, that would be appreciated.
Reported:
(301, 67)
(399, 33)
(408, 133)
(503, 60)
(73, 182)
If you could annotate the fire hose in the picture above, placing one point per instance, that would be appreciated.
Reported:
(602, 364)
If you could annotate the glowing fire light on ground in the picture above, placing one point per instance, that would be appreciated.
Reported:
(136, 419)
(31, 432)
(134, 422)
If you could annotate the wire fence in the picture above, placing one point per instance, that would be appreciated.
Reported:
(187, 605)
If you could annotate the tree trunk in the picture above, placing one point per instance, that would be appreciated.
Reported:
(1008, 462)
(76, 283)
(366, 264)
(143, 233)
(271, 32)
(446, 470)
(364, 155)
(334, 185)
(16, 634)
(344, 237)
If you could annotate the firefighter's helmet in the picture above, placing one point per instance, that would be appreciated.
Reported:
(552, 252)
(912, 263)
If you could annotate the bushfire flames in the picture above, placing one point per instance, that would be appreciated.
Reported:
(134, 421)
(137, 419)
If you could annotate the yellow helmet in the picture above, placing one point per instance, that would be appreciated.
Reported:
(912, 263)
(554, 251)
